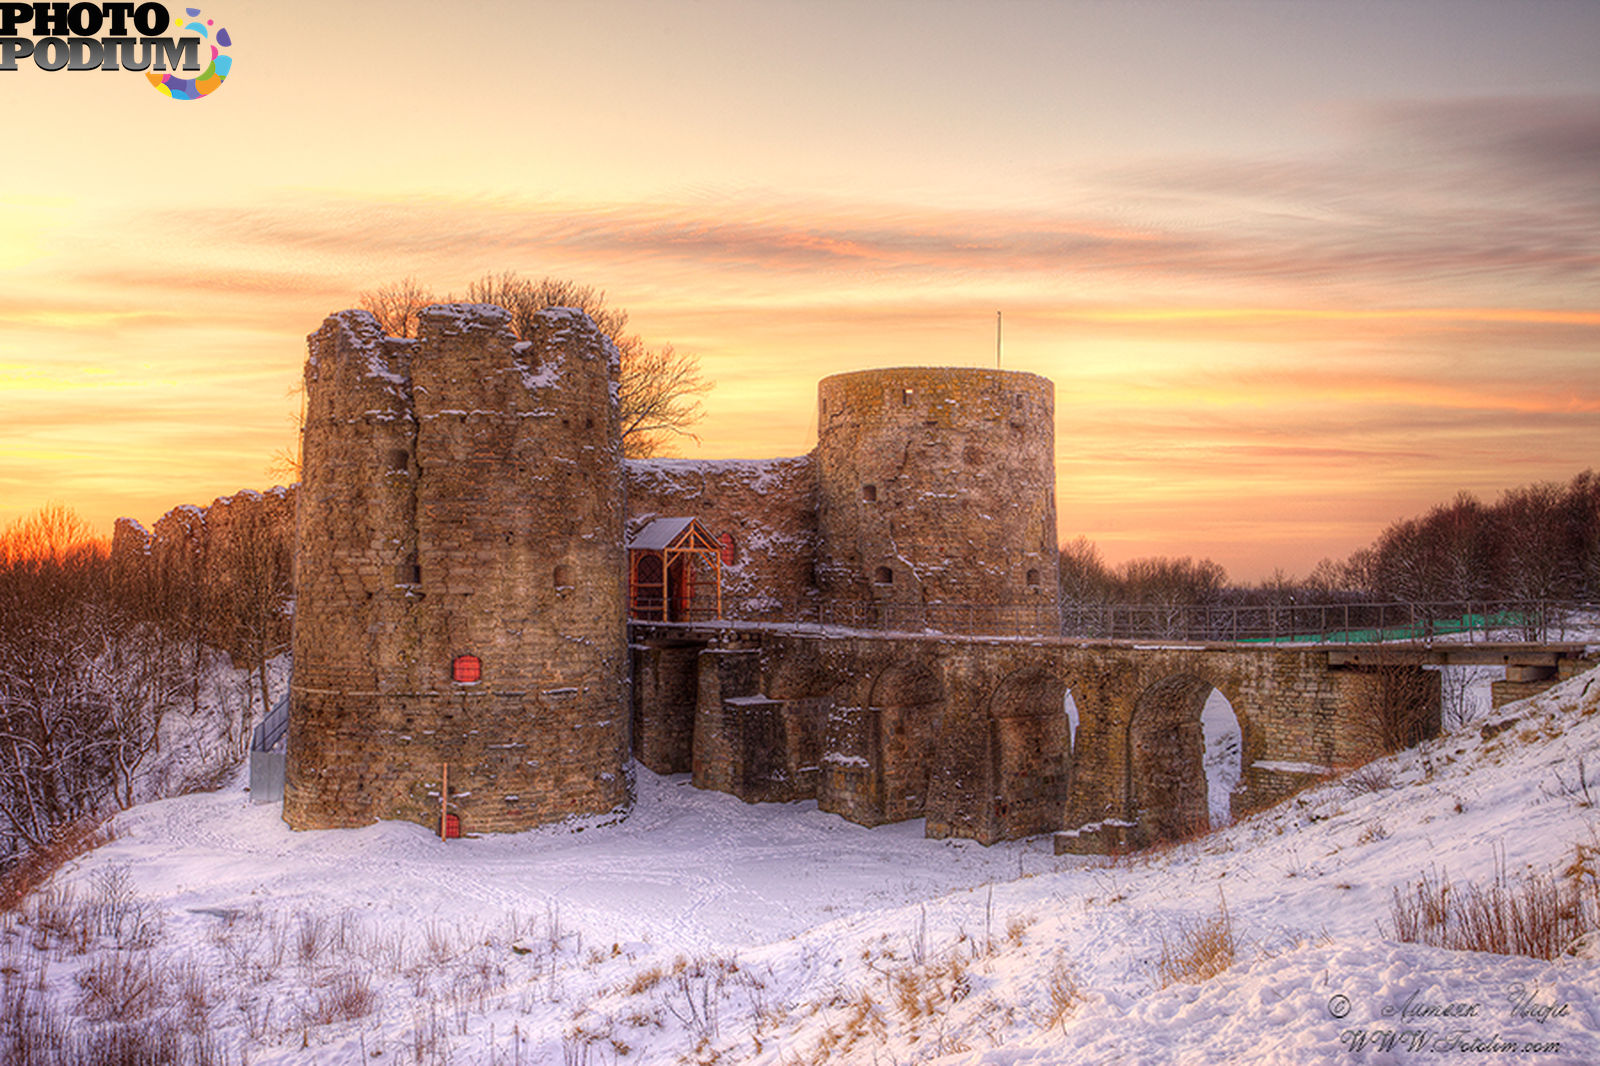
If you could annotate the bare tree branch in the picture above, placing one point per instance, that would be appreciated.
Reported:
(660, 387)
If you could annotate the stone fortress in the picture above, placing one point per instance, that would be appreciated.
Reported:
(490, 603)
(462, 584)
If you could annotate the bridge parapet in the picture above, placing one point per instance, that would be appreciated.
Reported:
(972, 733)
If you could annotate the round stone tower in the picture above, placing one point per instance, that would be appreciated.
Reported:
(936, 499)
(460, 582)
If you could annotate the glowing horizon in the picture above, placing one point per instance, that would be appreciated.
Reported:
(1295, 273)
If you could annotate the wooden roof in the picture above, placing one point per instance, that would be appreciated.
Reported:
(674, 534)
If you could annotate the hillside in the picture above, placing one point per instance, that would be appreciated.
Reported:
(704, 929)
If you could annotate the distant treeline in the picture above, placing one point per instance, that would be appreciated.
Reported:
(1540, 542)
(96, 647)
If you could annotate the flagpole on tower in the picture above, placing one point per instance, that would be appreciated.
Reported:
(997, 340)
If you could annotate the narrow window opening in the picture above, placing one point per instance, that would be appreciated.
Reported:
(408, 572)
(869, 493)
(883, 576)
(563, 576)
(905, 397)
(1033, 579)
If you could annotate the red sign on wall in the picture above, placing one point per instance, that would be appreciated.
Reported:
(467, 669)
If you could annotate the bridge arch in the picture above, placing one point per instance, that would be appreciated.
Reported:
(1167, 791)
(906, 710)
(1029, 752)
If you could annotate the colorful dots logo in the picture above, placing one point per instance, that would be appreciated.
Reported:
(216, 71)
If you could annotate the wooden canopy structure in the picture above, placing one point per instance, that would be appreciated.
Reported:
(661, 581)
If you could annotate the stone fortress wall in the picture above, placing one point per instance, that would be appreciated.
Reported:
(465, 499)
(461, 496)
(464, 494)
(205, 553)
(936, 490)
(768, 507)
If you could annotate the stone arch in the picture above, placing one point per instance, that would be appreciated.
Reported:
(1030, 753)
(1166, 793)
(906, 708)
(1222, 734)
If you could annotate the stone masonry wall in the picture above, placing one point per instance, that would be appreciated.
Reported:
(462, 496)
(936, 488)
(972, 734)
(204, 553)
(769, 506)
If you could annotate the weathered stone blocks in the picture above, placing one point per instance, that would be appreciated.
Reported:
(461, 497)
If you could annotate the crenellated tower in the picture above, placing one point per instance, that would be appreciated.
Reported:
(936, 498)
(460, 592)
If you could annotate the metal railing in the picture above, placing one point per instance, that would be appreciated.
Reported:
(1337, 623)
(966, 619)
(274, 726)
(1328, 623)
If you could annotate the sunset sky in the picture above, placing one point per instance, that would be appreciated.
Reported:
(1296, 269)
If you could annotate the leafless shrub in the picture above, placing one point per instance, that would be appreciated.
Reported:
(1584, 790)
(119, 985)
(441, 946)
(1540, 915)
(157, 1041)
(311, 938)
(1201, 950)
(58, 917)
(113, 903)
(347, 996)
(694, 994)
(863, 1020)
(257, 1011)
(1373, 777)
(644, 981)
(40, 863)
(1395, 706)
(926, 991)
(193, 993)
(429, 1038)
(1373, 832)
(1065, 989)
(1017, 928)
(386, 949)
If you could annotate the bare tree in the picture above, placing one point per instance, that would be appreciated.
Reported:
(54, 739)
(1396, 705)
(133, 670)
(658, 397)
(1583, 532)
(525, 299)
(397, 304)
(1085, 580)
(660, 387)
(253, 592)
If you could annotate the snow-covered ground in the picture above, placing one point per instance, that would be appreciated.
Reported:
(704, 929)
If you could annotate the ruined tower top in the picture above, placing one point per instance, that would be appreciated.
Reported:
(936, 495)
(460, 589)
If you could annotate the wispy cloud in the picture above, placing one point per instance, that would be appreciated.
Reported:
(1417, 308)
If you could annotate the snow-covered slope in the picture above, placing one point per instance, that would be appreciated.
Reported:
(705, 929)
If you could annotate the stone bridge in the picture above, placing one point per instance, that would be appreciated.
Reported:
(972, 734)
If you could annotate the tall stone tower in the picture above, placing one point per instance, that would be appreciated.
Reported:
(460, 594)
(936, 497)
